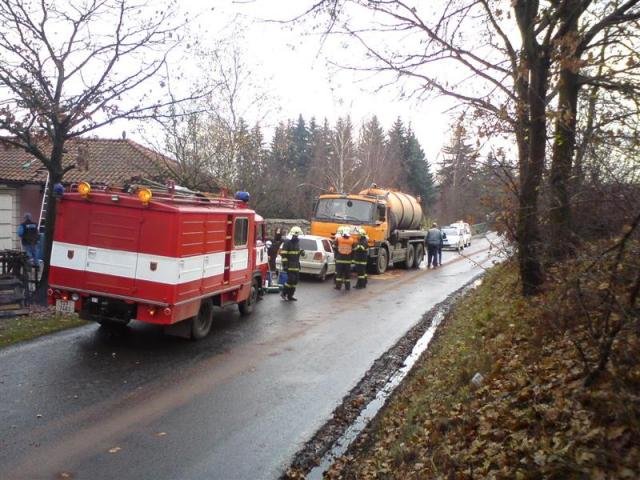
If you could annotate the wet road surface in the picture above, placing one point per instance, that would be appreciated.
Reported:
(86, 404)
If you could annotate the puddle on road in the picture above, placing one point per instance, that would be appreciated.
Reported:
(372, 408)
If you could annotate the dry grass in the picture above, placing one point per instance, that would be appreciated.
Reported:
(533, 417)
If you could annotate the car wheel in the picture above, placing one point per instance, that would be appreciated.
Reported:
(201, 323)
(419, 255)
(382, 261)
(322, 276)
(246, 306)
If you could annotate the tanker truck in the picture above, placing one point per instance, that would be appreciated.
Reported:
(390, 218)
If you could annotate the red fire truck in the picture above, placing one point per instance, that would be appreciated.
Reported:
(157, 257)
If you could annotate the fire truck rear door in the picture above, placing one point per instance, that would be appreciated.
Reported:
(113, 243)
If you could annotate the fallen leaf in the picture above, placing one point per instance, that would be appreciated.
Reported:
(614, 433)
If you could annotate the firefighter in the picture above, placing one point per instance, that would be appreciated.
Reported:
(360, 256)
(290, 255)
(344, 256)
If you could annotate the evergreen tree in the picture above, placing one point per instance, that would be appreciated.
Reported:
(322, 154)
(301, 148)
(456, 175)
(251, 163)
(395, 169)
(420, 180)
(281, 176)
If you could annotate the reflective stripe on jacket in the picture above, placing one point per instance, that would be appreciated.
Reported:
(361, 252)
(290, 255)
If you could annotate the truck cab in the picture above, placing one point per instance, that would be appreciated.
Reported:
(390, 218)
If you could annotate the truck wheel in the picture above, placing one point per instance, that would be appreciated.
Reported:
(409, 258)
(419, 257)
(246, 306)
(382, 262)
(201, 323)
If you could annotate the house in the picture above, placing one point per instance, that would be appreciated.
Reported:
(96, 160)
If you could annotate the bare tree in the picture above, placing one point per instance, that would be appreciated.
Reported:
(203, 136)
(464, 49)
(372, 153)
(68, 68)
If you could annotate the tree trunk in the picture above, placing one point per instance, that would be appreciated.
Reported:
(561, 243)
(531, 175)
(56, 173)
(48, 235)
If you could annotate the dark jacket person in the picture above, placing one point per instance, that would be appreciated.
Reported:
(433, 241)
(290, 256)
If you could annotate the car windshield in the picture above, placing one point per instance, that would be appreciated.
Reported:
(450, 231)
(345, 209)
(308, 244)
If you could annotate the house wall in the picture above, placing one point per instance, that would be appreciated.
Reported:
(9, 217)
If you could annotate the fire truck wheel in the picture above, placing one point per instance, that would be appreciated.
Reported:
(201, 323)
(246, 306)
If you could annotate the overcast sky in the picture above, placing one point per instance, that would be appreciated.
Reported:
(296, 71)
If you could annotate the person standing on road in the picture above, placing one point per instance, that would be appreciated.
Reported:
(433, 241)
(360, 257)
(444, 235)
(344, 255)
(290, 256)
(273, 249)
(28, 233)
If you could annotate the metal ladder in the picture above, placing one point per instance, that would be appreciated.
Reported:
(43, 207)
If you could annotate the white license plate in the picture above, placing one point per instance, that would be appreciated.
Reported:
(65, 306)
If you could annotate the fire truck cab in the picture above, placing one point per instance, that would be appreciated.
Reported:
(157, 257)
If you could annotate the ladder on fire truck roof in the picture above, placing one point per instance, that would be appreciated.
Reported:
(43, 207)
(176, 193)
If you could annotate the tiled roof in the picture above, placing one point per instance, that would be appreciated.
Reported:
(97, 160)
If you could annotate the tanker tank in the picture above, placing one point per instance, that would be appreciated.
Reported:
(405, 210)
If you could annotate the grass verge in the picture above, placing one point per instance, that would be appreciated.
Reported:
(531, 417)
(26, 327)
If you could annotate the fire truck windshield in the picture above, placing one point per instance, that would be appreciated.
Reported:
(345, 210)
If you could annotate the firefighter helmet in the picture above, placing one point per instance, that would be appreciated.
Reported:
(295, 231)
(362, 232)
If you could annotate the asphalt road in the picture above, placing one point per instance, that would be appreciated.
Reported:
(86, 404)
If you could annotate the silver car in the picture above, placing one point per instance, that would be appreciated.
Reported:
(454, 238)
(318, 258)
